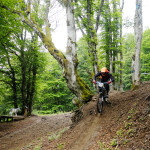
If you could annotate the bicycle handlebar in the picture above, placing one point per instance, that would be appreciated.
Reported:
(101, 82)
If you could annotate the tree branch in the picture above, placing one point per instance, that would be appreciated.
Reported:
(98, 14)
(6, 72)
(59, 56)
(122, 5)
(83, 33)
(9, 83)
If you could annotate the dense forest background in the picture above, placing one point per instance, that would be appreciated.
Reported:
(30, 76)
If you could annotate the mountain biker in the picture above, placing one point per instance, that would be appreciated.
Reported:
(105, 77)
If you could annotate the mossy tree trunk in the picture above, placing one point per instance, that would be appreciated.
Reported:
(69, 62)
(121, 48)
(88, 21)
(91, 37)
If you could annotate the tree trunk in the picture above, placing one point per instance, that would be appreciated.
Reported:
(108, 37)
(14, 84)
(69, 62)
(121, 54)
(132, 67)
(91, 37)
(115, 30)
(23, 73)
(91, 31)
(138, 29)
(75, 83)
(23, 85)
(34, 72)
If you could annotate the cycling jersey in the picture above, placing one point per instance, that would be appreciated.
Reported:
(105, 78)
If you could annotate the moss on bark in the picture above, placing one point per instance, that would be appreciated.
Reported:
(86, 93)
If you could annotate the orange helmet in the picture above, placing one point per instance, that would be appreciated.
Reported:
(104, 71)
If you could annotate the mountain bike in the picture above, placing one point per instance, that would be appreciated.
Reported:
(102, 96)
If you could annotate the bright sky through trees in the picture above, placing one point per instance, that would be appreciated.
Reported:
(59, 36)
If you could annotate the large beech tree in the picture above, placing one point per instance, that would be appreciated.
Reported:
(69, 61)
(138, 30)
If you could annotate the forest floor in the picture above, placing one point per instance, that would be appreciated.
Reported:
(124, 125)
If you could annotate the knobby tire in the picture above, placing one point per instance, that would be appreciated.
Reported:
(99, 104)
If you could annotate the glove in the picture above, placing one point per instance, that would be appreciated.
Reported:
(94, 81)
(109, 82)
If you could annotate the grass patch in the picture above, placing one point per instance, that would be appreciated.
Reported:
(113, 143)
(120, 132)
(57, 135)
(103, 146)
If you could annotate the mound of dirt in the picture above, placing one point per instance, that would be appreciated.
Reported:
(123, 125)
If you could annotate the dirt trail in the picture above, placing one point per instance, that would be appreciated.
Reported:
(86, 134)
(125, 122)
(18, 134)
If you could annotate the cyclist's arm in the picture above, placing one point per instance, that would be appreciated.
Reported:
(112, 78)
(98, 74)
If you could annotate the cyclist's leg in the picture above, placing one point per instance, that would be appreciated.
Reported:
(106, 97)
(107, 89)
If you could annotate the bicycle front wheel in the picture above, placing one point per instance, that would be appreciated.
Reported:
(100, 103)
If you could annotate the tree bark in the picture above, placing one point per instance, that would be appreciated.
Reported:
(75, 83)
(23, 74)
(69, 62)
(14, 84)
(138, 29)
(121, 53)
(91, 37)
(91, 31)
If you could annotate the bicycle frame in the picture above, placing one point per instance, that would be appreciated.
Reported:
(101, 87)
(101, 96)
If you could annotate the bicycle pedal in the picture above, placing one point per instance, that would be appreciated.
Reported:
(106, 96)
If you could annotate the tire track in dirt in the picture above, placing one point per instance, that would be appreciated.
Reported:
(87, 135)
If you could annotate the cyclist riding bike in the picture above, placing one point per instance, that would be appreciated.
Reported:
(105, 77)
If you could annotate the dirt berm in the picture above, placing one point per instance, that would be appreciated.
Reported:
(124, 125)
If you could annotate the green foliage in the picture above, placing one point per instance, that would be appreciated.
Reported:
(57, 135)
(53, 94)
(9, 21)
(129, 117)
(113, 143)
(84, 67)
(145, 56)
(120, 133)
(128, 51)
(145, 42)
(127, 124)
(39, 72)
(103, 146)
(5, 99)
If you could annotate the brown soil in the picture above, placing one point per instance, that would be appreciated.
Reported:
(124, 125)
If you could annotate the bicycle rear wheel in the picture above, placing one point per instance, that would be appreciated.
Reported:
(100, 104)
